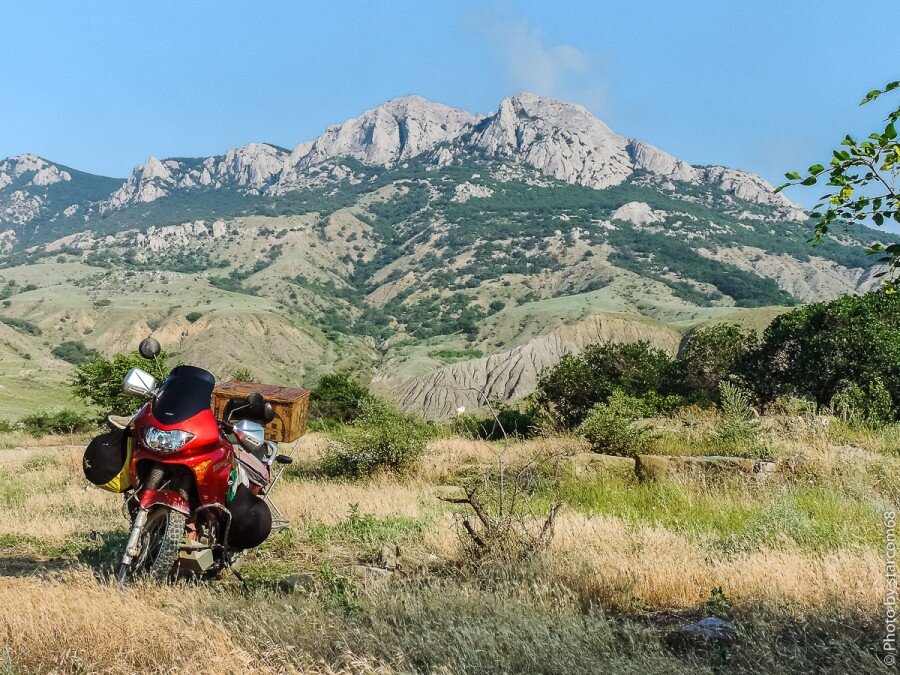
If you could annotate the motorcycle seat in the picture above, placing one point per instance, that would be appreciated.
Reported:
(257, 471)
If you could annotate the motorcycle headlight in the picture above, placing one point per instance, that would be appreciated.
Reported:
(166, 441)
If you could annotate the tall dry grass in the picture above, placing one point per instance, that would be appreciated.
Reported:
(560, 613)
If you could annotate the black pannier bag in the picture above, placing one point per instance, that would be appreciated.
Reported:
(251, 520)
(105, 460)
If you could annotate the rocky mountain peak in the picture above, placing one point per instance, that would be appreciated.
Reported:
(252, 165)
(396, 130)
(44, 173)
(560, 139)
(146, 183)
(153, 168)
(566, 141)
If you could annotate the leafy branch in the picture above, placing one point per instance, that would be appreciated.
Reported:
(863, 177)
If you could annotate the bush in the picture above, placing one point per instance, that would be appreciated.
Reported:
(708, 355)
(243, 375)
(610, 427)
(99, 382)
(794, 406)
(868, 406)
(193, 317)
(740, 423)
(22, 325)
(75, 353)
(338, 398)
(576, 384)
(381, 438)
(56, 422)
(816, 350)
(520, 421)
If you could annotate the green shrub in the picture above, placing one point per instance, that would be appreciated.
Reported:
(22, 325)
(243, 375)
(740, 422)
(99, 382)
(816, 350)
(193, 317)
(518, 421)
(381, 438)
(610, 427)
(75, 352)
(452, 355)
(337, 398)
(708, 355)
(56, 422)
(795, 406)
(868, 406)
(576, 384)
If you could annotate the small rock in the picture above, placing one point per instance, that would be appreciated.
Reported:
(706, 634)
(297, 583)
(389, 556)
(369, 572)
(589, 465)
(711, 628)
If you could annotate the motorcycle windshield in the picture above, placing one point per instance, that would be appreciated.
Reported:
(184, 393)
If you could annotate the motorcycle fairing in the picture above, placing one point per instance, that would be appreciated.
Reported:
(209, 456)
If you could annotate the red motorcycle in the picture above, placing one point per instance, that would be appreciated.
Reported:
(196, 499)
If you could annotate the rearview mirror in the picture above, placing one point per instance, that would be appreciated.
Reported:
(149, 348)
(139, 383)
(268, 412)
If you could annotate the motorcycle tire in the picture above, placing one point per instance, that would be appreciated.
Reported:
(160, 544)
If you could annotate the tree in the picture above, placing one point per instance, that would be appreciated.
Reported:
(75, 352)
(821, 349)
(337, 397)
(99, 382)
(709, 354)
(862, 178)
(571, 388)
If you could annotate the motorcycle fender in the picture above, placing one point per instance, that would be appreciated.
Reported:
(168, 498)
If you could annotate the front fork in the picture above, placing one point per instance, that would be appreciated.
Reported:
(132, 548)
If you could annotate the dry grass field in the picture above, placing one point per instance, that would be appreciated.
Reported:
(794, 562)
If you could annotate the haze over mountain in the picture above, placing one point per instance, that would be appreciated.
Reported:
(411, 236)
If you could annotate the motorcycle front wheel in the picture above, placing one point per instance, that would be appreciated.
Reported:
(159, 544)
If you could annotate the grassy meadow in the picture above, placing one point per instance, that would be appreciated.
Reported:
(377, 575)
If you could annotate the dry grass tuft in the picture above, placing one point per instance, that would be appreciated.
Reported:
(76, 624)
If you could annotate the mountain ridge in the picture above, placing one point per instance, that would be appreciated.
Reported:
(559, 139)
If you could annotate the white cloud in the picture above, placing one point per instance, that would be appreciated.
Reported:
(530, 63)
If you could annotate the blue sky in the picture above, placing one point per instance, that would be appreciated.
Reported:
(757, 85)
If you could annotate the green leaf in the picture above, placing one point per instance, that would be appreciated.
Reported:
(878, 219)
(816, 169)
(871, 96)
(809, 181)
(890, 132)
(792, 175)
